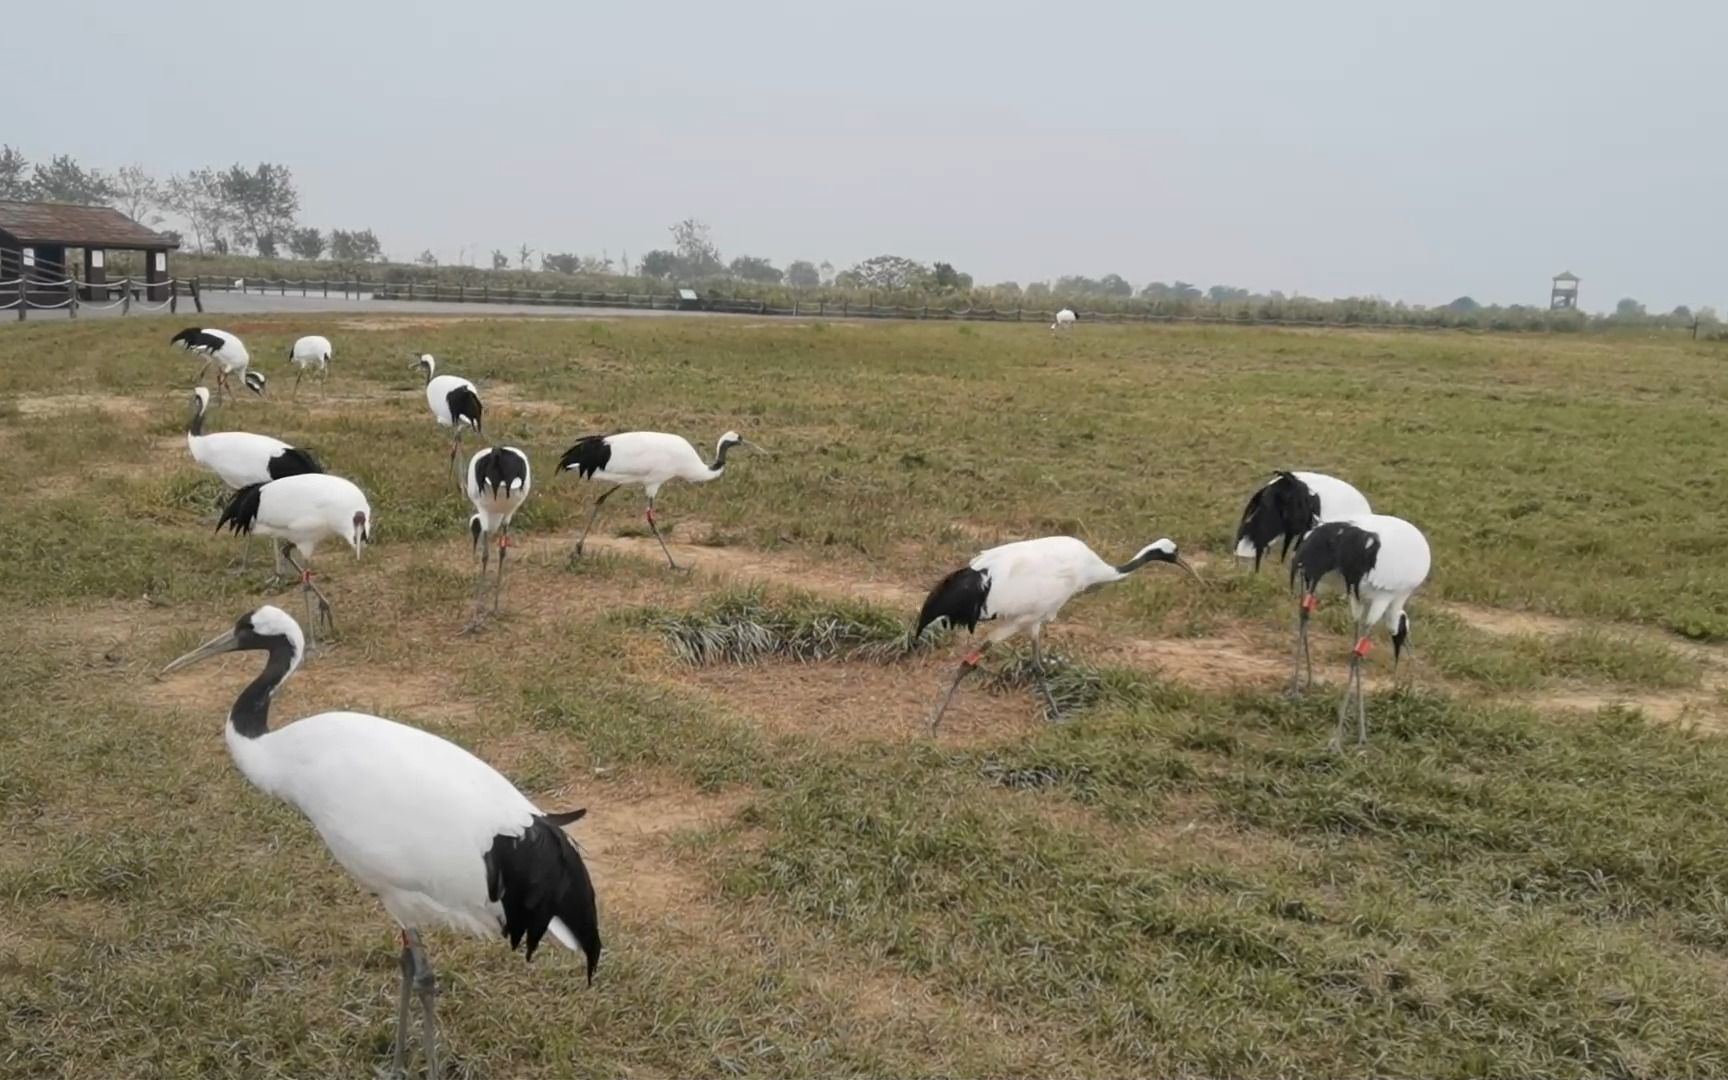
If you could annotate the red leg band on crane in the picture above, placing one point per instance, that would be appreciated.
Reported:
(503, 541)
(1362, 647)
(305, 577)
(650, 515)
(1310, 602)
(972, 658)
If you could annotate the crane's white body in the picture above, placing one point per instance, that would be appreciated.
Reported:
(1338, 500)
(309, 509)
(496, 506)
(409, 815)
(1031, 580)
(237, 457)
(1400, 567)
(438, 388)
(311, 352)
(232, 358)
(438, 398)
(1064, 320)
(648, 459)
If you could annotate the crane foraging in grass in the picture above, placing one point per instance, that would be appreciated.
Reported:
(1287, 506)
(498, 484)
(300, 512)
(1021, 587)
(224, 350)
(439, 836)
(309, 353)
(454, 402)
(1379, 562)
(645, 459)
(1064, 320)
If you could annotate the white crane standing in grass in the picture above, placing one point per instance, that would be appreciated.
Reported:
(454, 402)
(1379, 561)
(301, 512)
(645, 459)
(498, 484)
(311, 352)
(1290, 504)
(434, 832)
(1022, 586)
(226, 351)
(1064, 320)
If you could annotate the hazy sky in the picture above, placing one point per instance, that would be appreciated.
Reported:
(1333, 147)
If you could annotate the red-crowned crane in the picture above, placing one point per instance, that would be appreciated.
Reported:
(302, 512)
(1290, 504)
(454, 402)
(1021, 587)
(310, 353)
(1064, 320)
(645, 459)
(226, 351)
(434, 832)
(239, 458)
(498, 484)
(1379, 561)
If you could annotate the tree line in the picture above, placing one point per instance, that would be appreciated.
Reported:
(236, 210)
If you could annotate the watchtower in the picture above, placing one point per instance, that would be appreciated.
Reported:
(1564, 296)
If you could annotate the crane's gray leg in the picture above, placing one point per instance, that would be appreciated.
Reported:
(967, 666)
(1361, 705)
(1044, 680)
(400, 1061)
(580, 540)
(480, 588)
(426, 985)
(207, 362)
(455, 447)
(662, 539)
(1302, 655)
(299, 373)
(324, 616)
(503, 547)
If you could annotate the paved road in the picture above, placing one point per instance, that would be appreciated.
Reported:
(224, 303)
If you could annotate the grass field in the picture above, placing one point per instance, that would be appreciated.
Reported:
(1522, 875)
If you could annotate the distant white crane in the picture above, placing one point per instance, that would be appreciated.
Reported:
(434, 832)
(1022, 586)
(1287, 506)
(1379, 561)
(309, 353)
(454, 402)
(224, 350)
(301, 512)
(1064, 320)
(499, 481)
(645, 459)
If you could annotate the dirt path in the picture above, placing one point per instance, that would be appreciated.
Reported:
(1214, 663)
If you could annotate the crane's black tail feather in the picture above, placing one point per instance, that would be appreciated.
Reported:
(1284, 507)
(293, 462)
(241, 512)
(587, 457)
(1336, 546)
(539, 876)
(959, 598)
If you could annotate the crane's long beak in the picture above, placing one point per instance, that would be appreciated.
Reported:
(1179, 561)
(763, 450)
(216, 646)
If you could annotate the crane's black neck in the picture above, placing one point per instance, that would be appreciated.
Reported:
(250, 716)
(1136, 563)
(195, 426)
(720, 457)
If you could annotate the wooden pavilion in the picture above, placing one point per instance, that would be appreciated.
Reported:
(36, 239)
